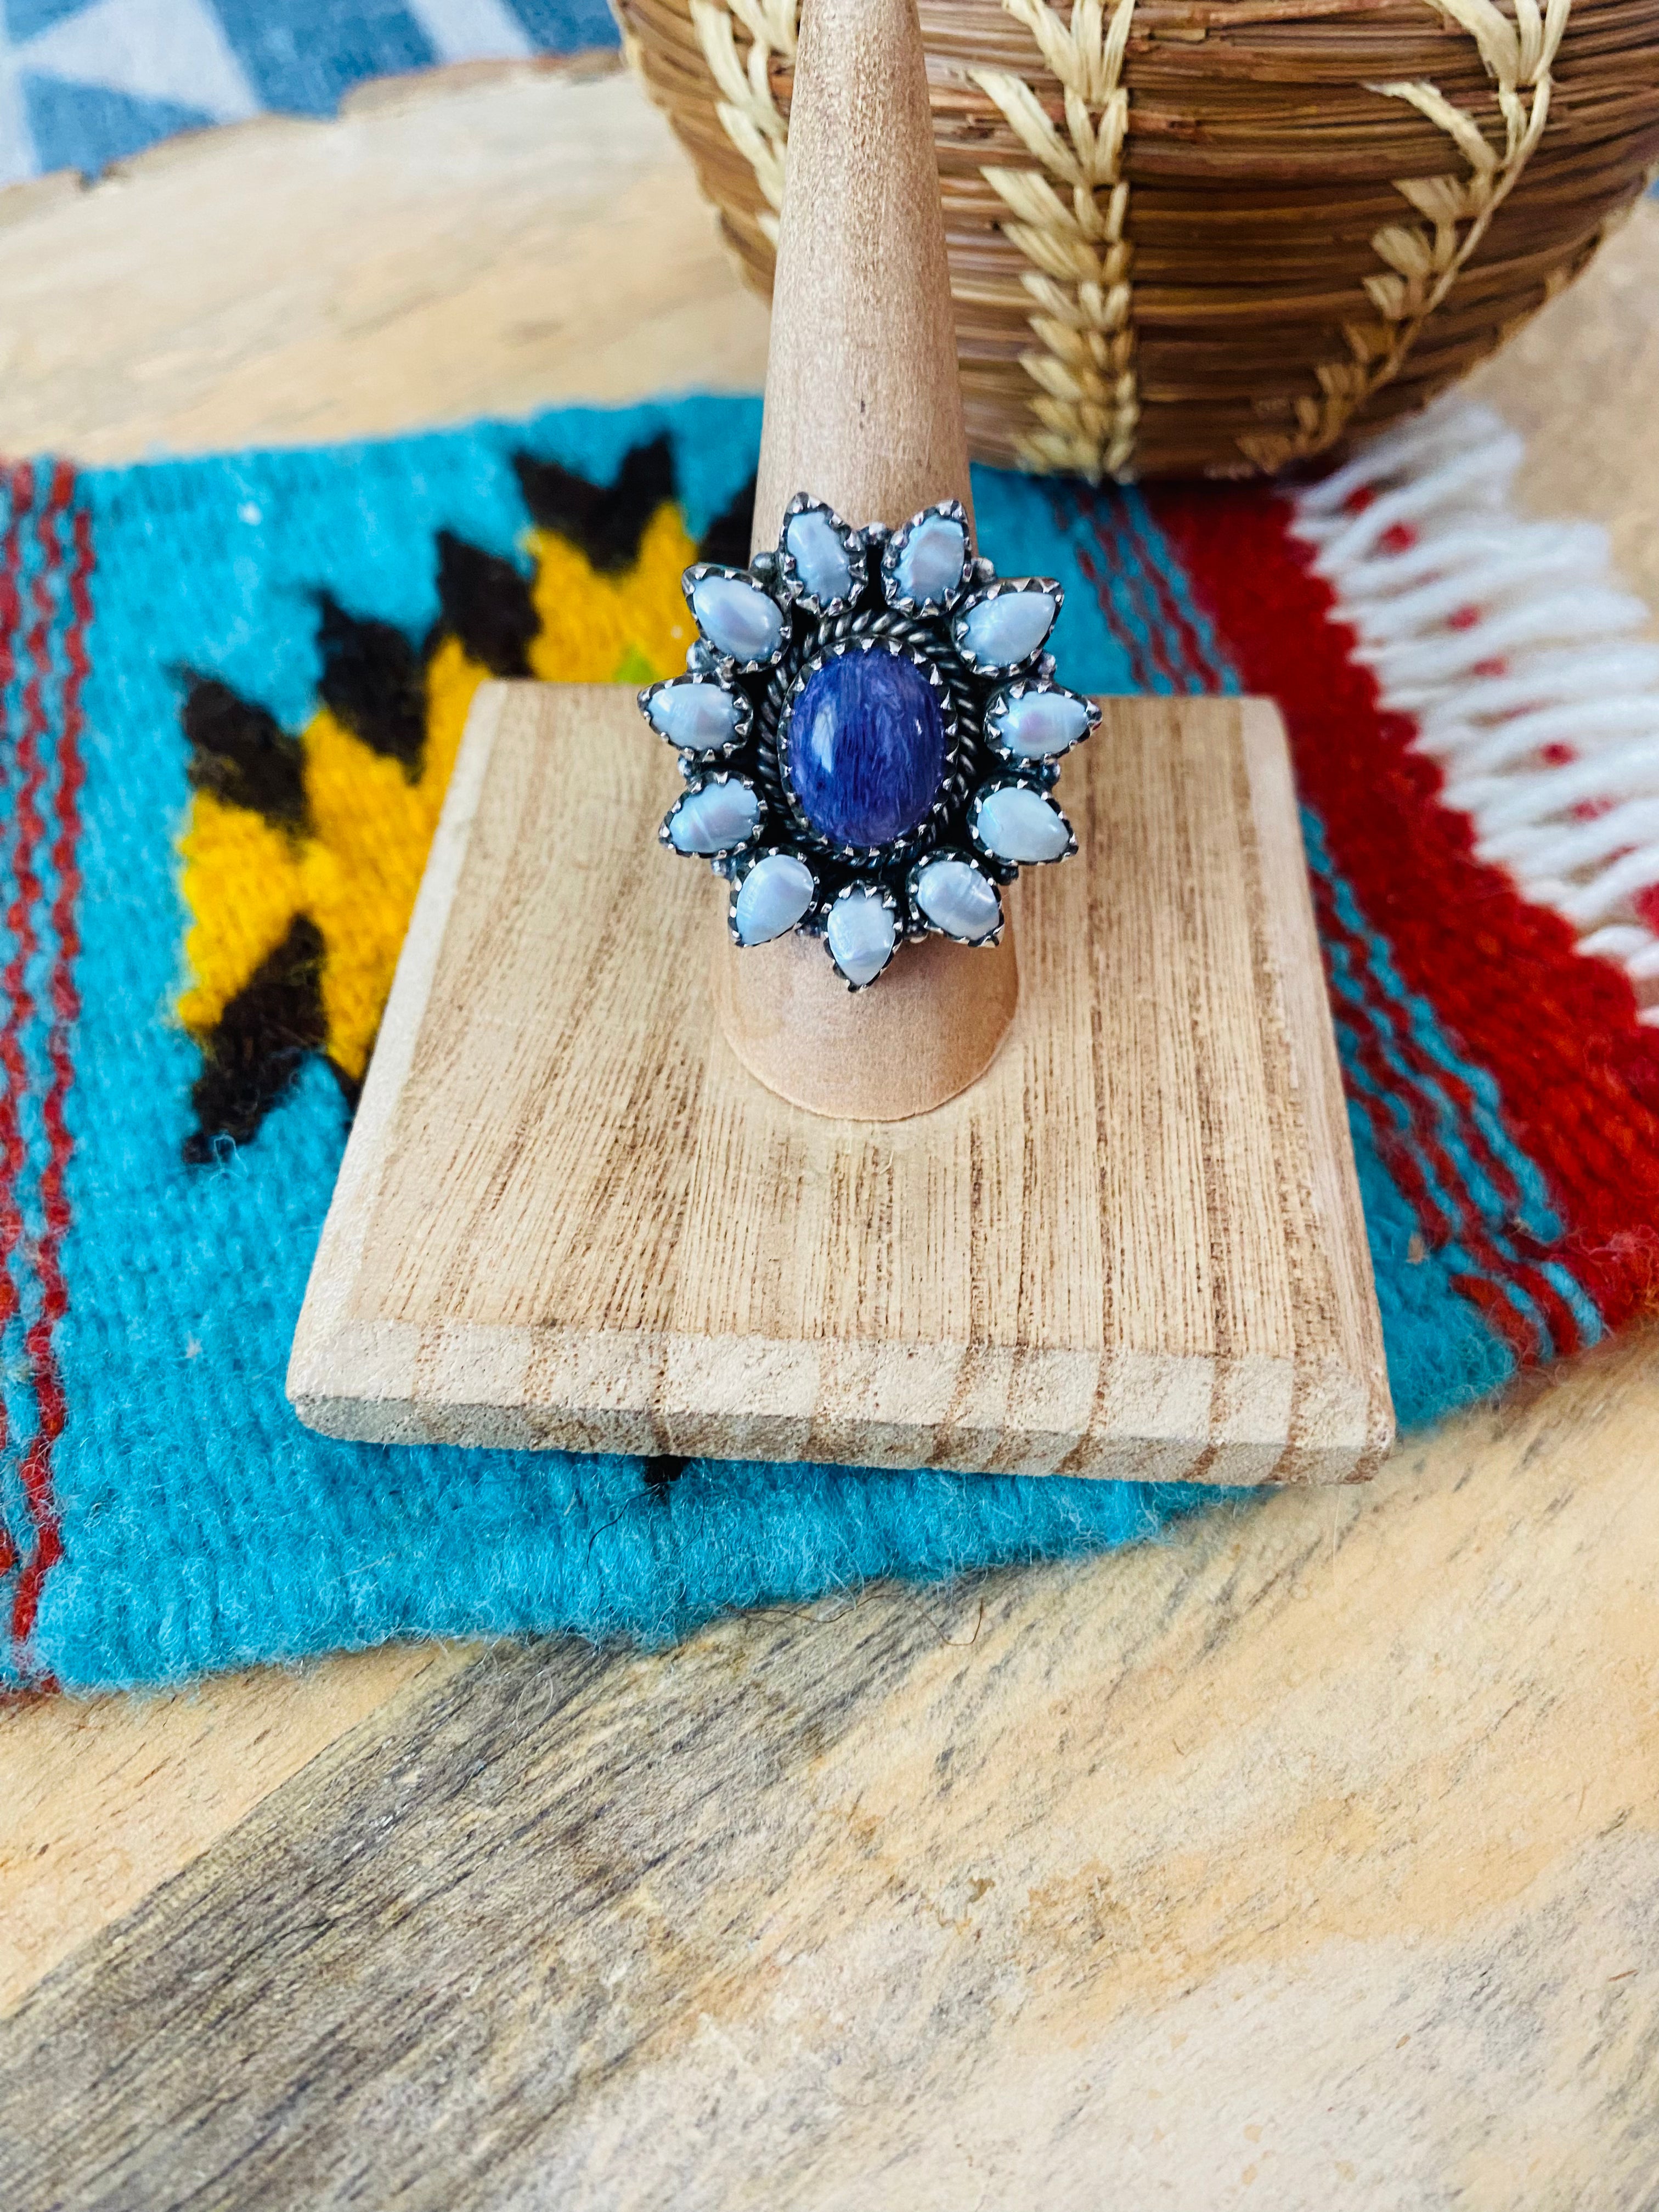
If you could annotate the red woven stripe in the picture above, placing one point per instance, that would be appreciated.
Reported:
(1107, 521)
(1406, 1158)
(16, 863)
(65, 1006)
(1067, 512)
(1155, 667)
(1169, 618)
(1579, 1077)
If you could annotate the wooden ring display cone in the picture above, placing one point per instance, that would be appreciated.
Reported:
(863, 409)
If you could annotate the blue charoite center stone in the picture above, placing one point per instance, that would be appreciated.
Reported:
(866, 753)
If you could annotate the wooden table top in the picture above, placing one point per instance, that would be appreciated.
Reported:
(1307, 1858)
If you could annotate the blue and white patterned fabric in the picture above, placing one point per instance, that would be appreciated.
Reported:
(86, 83)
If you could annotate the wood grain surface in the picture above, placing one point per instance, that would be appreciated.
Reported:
(476, 242)
(567, 1217)
(1308, 1859)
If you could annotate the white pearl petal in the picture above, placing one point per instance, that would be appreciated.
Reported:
(713, 818)
(958, 899)
(1040, 724)
(1003, 631)
(821, 559)
(697, 715)
(772, 898)
(861, 933)
(931, 561)
(737, 617)
(1020, 825)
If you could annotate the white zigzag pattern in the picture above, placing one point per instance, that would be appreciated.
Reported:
(177, 50)
(1523, 663)
(172, 50)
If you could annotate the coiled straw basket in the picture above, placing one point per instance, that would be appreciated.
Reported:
(1213, 236)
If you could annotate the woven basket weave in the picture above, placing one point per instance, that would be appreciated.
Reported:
(1213, 236)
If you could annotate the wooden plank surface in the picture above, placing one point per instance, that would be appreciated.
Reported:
(476, 242)
(1307, 1859)
(568, 1217)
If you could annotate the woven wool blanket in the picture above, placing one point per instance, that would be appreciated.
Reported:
(86, 82)
(231, 691)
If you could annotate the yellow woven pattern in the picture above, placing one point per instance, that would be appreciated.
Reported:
(355, 869)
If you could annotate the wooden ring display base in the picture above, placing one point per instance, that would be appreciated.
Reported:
(568, 1217)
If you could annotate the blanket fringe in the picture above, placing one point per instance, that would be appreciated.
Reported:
(1526, 670)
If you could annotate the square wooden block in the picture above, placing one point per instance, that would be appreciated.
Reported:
(568, 1217)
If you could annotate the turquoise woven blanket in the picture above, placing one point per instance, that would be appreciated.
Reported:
(230, 690)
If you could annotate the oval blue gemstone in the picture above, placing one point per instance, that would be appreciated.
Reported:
(865, 754)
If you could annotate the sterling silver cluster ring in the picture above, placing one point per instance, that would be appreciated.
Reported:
(870, 732)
